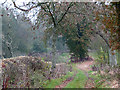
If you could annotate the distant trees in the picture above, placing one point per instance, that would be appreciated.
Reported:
(7, 35)
(38, 46)
(16, 40)
(52, 12)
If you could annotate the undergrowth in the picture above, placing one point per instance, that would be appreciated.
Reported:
(98, 80)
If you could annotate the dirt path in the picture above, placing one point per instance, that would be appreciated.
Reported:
(66, 81)
(85, 67)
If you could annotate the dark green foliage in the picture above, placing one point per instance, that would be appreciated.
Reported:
(80, 31)
(77, 48)
(77, 40)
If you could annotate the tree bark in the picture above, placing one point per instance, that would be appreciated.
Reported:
(112, 58)
(53, 52)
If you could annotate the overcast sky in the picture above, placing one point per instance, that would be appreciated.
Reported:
(20, 2)
(17, 1)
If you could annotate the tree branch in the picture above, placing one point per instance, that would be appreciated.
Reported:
(44, 8)
(4, 2)
(103, 38)
(26, 10)
(53, 19)
(70, 5)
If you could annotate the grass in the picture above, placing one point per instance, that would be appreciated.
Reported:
(96, 77)
(58, 81)
(80, 78)
(79, 81)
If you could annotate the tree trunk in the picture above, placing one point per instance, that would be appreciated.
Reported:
(118, 57)
(117, 4)
(53, 52)
(1, 49)
(112, 58)
(118, 68)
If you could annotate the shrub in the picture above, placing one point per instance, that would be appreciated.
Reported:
(18, 71)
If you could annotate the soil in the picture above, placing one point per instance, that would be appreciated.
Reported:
(85, 66)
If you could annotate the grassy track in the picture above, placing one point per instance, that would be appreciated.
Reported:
(79, 80)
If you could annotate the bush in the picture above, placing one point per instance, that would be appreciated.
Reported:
(18, 71)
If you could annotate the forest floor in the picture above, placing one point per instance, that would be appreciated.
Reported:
(85, 67)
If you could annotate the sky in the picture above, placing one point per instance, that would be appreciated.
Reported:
(17, 1)
(20, 2)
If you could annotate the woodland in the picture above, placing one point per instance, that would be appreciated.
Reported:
(59, 44)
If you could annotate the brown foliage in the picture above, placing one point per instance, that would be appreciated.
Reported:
(18, 70)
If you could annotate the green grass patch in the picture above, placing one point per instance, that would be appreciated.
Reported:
(79, 81)
(58, 81)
